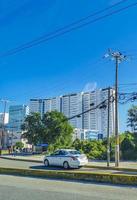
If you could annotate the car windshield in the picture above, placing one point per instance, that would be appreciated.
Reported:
(74, 152)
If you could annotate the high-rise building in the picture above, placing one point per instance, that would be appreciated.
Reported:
(103, 113)
(72, 105)
(47, 105)
(4, 118)
(51, 104)
(17, 115)
(36, 105)
(76, 103)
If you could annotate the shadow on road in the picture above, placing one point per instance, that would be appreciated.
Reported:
(46, 168)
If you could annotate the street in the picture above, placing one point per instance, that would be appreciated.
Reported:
(32, 165)
(35, 165)
(13, 187)
(40, 166)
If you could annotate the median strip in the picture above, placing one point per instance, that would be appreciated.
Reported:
(112, 168)
(112, 178)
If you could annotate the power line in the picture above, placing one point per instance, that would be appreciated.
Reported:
(61, 31)
(127, 97)
(100, 105)
(69, 25)
(127, 84)
(75, 22)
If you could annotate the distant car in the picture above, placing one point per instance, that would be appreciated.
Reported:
(67, 158)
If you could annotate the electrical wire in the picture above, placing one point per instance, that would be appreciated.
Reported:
(57, 33)
(100, 106)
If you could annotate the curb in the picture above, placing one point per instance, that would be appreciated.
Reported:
(20, 159)
(74, 175)
(112, 168)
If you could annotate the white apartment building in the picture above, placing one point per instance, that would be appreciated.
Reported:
(47, 105)
(36, 105)
(103, 113)
(76, 103)
(72, 105)
(51, 104)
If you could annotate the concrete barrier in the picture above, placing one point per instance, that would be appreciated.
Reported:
(123, 179)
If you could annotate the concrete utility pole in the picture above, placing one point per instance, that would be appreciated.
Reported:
(108, 135)
(118, 57)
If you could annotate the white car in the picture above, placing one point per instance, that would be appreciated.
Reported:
(67, 158)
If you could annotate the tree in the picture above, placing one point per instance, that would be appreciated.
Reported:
(33, 128)
(128, 147)
(19, 145)
(57, 130)
(132, 118)
(53, 129)
(94, 149)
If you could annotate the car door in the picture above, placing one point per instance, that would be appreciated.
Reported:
(53, 158)
(59, 158)
(56, 158)
(62, 157)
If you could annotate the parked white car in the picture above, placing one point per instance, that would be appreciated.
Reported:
(67, 158)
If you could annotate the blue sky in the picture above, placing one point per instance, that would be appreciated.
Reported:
(67, 63)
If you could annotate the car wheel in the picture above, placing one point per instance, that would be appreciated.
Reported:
(66, 165)
(46, 163)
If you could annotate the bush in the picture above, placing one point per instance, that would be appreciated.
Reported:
(93, 149)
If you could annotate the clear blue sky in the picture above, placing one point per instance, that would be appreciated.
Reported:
(65, 64)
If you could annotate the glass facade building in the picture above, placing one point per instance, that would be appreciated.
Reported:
(17, 114)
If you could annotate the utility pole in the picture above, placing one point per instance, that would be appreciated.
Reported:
(116, 115)
(118, 57)
(3, 122)
(108, 135)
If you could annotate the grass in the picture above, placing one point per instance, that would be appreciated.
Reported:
(3, 152)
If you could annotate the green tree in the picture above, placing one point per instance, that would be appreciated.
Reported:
(128, 147)
(93, 149)
(33, 128)
(132, 118)
(19, 145)
(53, 129)
(57, 130)
(98, 149)
(78, 144)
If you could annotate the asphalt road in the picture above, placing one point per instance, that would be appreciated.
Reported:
(31, 165)
(40, 166)
(20, 188)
